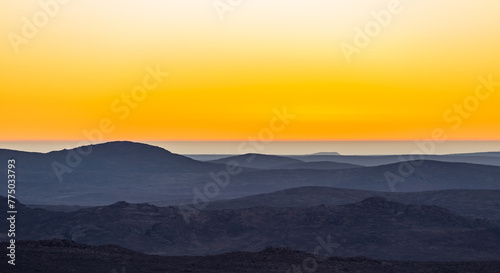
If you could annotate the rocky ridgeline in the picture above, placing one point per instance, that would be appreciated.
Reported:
(375, 228)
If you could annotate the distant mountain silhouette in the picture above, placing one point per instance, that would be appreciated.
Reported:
(320, 165)
(258, 161)
(376, 160)
(484, 204)
(208, 157)
(429, 175)
(326, 153)
(268, 162)
(496, 154)
(140, 173)
(114, 156)
(492, 159)
(103, 173)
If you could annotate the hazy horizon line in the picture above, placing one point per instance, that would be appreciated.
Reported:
(280, 147)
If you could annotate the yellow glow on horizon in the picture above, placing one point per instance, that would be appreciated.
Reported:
(226, 77)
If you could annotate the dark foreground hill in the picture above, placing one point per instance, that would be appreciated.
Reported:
(63, 256)
(375, 228)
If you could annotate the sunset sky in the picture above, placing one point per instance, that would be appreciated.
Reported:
(227, 76)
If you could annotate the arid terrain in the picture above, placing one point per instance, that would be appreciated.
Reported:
(131, 207)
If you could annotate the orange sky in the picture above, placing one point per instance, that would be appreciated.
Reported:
(226, 77)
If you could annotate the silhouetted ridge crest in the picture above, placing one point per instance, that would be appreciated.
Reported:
(124, 156)
(120, 204)
(124, 148)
